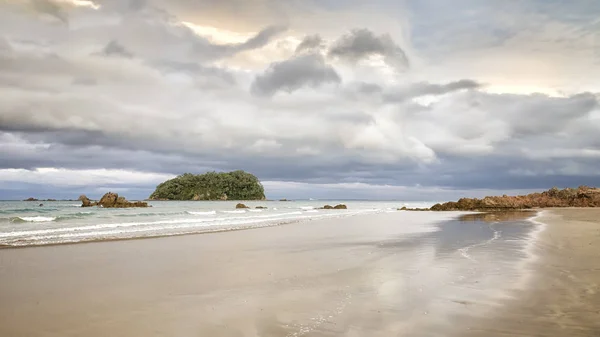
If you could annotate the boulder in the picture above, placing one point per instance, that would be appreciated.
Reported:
(241, 206)
(31, 199)
(85, 202)
(108, 200)
(261, 207)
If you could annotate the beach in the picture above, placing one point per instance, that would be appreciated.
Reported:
(563, 295)
(400, 274)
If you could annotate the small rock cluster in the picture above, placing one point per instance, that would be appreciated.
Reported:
(111, 200)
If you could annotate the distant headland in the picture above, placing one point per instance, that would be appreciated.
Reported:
(236, 185)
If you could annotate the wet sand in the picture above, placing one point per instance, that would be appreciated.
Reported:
(563, 295)
(376, 275)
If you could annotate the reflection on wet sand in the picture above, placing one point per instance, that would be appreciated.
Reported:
(498, 216)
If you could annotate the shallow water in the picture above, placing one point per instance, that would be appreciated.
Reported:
(26, 223)
(385, 274)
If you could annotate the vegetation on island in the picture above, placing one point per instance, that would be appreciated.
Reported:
(236, 185)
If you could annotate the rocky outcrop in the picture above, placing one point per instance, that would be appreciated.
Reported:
(31, 199)
(261, 207)
(583, 196)
(85, 201)
(340, 206)
(241, 206)
(111, 200)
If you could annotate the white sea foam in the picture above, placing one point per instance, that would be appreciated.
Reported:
(307, 207)
(255, 210)
(311, 211)
(37, 218)
(240, 211)
(202, 213)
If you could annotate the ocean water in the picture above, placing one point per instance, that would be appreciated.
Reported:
(26, 223)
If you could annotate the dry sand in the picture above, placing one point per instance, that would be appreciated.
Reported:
(563, 297)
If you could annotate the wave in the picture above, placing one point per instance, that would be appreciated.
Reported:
(311, 211)
(307, 207)
(33, 219)
(163, 227)
(255, 210)
(235, 212)
(202, 213)
(30, 210)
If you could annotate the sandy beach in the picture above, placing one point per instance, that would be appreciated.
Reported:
(563, 297)
(376, 275)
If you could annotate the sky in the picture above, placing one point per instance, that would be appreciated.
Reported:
(382, 99)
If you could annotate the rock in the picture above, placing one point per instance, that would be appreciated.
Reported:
(31, 199)
(41, 205)
(108, 200)
(241, 206)
(223, 197)
(261, 207)
(340, 206)
(85, 202)
(111, 200)
(583, 196)
(283, 199)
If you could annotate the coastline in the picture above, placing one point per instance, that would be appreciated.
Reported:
(561, 296)
(378, 275)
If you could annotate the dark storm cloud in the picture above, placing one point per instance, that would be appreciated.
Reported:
(422, 89)
(362, 43)
(310, 43)
(293, 74)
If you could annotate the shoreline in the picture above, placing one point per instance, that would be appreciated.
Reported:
(561, 294)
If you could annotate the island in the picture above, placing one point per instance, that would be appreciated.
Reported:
(235, 185)
(583, 196)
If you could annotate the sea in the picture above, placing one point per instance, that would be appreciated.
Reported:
(27, 223)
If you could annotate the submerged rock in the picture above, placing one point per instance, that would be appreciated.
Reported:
(241, 206)
(340, 206)
(261, 207)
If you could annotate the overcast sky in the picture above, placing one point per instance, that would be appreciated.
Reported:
(386, 99)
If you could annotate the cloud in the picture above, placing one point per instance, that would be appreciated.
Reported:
(310, 43)
(51, 8)
(293, 74)
(113, 48)
(423, 89)
(260, 39)
(474, 111)
(361, 44)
